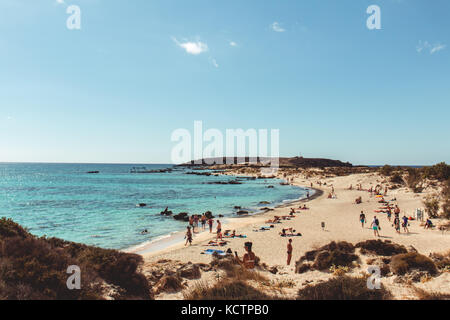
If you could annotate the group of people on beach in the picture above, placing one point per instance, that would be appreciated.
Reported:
(203, 219)
(397, 223)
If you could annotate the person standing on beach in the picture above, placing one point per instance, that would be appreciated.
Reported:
(375, 226)
(397, 224)
(196, 221)
(188, 236)
(389, 213)
(289, 252)
(191, 222)
(397, 211)
(203, 219)
(210, 223)
(362, 219)
(219, 230)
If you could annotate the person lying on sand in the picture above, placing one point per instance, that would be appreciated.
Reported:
(214, 243)
(262, 229)
(304, 207)
(291, 233)
(358, 200)
(249, 259)
(275, 219)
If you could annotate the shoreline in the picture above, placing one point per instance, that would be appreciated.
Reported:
(173, 240)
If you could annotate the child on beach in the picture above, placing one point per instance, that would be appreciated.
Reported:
(397, 224)
(188, 236)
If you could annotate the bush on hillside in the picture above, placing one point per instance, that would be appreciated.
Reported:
(36, 268)
(343, 288)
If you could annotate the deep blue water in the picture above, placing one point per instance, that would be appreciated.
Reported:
(62, 200)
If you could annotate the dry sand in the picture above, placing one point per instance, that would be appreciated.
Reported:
(341, 217)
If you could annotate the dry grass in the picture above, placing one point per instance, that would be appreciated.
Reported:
(426, 295)
(334, 253)
(404, 263)
(225, 290)
(381, 248)
(343, 288)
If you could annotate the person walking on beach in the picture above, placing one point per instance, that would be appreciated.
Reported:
(210, 223)
(405, 224)
(289, 252)
(188, 236)
(249, 258)
(219, 230)
(362, 219)
(375, 226)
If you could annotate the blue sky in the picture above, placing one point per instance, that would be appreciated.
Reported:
(115, 90)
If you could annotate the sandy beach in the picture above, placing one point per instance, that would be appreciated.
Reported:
(341, 218)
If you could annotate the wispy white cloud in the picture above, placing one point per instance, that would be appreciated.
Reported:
(437, 47)
(277, 27)
(192, 47)
(426, 46)
(233, 44)
(214, 62)
(60, 1)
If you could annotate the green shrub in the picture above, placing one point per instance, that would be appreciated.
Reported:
(431, 207)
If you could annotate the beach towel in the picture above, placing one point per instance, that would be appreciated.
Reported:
(212, 251)
(238, 236)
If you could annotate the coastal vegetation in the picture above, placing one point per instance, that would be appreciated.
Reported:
(36, 268)
(343, 288)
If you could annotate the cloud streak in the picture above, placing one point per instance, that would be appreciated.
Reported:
(192, 47)
(426, 46)
(276, 27)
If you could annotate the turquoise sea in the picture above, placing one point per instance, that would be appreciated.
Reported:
(64, 201)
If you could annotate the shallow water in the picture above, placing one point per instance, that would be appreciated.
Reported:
(62, 200)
